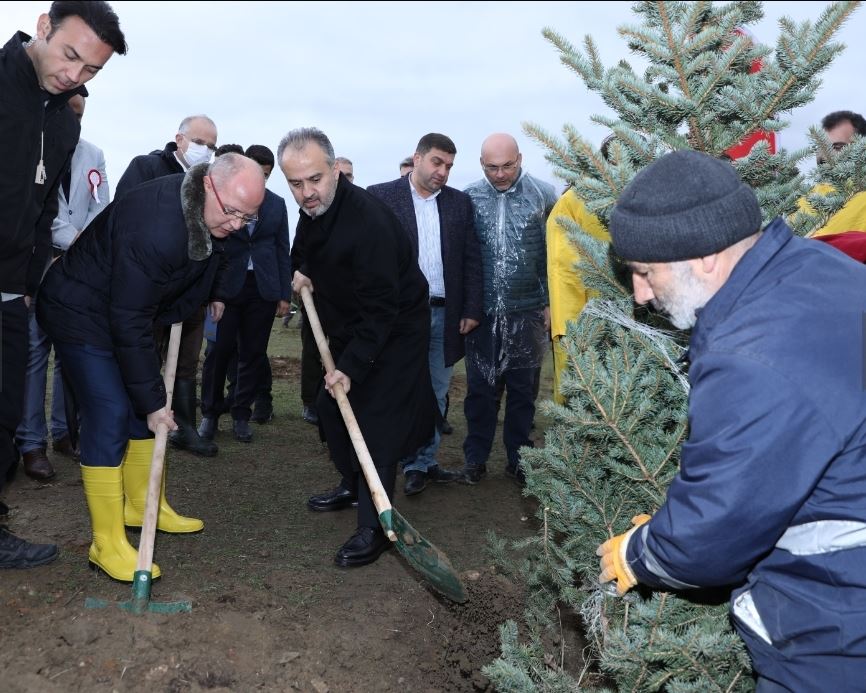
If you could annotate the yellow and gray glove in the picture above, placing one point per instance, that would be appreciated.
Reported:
(613, 563)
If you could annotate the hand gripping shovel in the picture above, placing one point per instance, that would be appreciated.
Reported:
(420, 553)
(143, 577)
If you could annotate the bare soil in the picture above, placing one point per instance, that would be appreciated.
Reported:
(271, 611)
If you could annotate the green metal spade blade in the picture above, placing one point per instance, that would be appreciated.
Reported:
(423, 556)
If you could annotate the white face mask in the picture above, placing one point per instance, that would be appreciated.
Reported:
(196, 154)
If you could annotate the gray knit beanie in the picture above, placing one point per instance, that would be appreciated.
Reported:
(684, 205)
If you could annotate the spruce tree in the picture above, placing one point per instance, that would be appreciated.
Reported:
(613, 447)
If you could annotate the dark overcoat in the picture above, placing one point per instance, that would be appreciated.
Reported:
(371, 298)
(133, 266)
(146, 167)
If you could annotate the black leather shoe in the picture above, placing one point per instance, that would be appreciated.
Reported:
(17, 553)
(311, 416)
(263, 411)
(207, 428)
(442, 476)
(473, 473)
(415, 482)
(4, 509)
(241, 429)
(335, 499)
(364, 546)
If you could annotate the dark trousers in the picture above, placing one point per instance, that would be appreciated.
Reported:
(501, 354)
(108, 421)
(311, 364)
(13, 366)
(346, 461)
(263, 391)
(246, 327)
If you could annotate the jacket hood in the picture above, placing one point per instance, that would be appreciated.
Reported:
(199, 245)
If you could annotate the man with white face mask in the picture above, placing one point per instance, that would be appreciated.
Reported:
(193, 144)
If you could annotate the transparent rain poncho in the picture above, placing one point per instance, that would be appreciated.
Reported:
(511, 229)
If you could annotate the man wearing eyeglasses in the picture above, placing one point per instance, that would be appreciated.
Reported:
(150, 258)
(511, 210)
(194, 143)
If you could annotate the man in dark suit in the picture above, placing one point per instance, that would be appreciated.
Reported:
(256, 282)
(371, 299)
(439, 221)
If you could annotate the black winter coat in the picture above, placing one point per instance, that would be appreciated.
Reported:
(128, 269)
(371, 298)
(27, 208)
(147, 167)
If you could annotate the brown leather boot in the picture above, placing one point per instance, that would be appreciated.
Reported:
(37, 466)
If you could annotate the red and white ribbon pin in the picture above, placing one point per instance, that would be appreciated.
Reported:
(94, 180)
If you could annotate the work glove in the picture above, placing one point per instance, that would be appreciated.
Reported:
(613, 563)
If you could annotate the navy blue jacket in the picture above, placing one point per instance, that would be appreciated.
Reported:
(461, 254)
(771, 492)
(268, 246)
(128, 269)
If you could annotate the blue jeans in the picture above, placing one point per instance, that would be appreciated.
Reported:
(502, 350)
(440, 375)
(32, 432)
(108, 421)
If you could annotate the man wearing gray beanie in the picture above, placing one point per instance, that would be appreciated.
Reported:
(769, 496)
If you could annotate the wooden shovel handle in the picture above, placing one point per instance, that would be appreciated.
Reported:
(380, 498)
(154, 486)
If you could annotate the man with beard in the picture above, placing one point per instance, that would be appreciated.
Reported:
(769, 496)
(440, 222)
(372, 301)
(149, 259)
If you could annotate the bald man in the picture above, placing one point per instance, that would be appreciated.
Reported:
(511, 209)
(151, 257)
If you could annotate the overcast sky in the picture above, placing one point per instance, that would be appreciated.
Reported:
(376, 76)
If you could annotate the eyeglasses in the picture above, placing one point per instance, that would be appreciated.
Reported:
(229, 212)
(201, 143)
(508, 167)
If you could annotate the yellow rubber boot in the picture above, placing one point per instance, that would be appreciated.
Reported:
(110, 549)
(136, 475)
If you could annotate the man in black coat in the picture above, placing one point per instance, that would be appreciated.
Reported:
(371, 298)
(38, 135)
(193, 144)
(440, 223)
(256, 283)
(149, 258)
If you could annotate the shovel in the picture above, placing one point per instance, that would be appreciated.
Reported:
(419, 552)
(143, 576)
